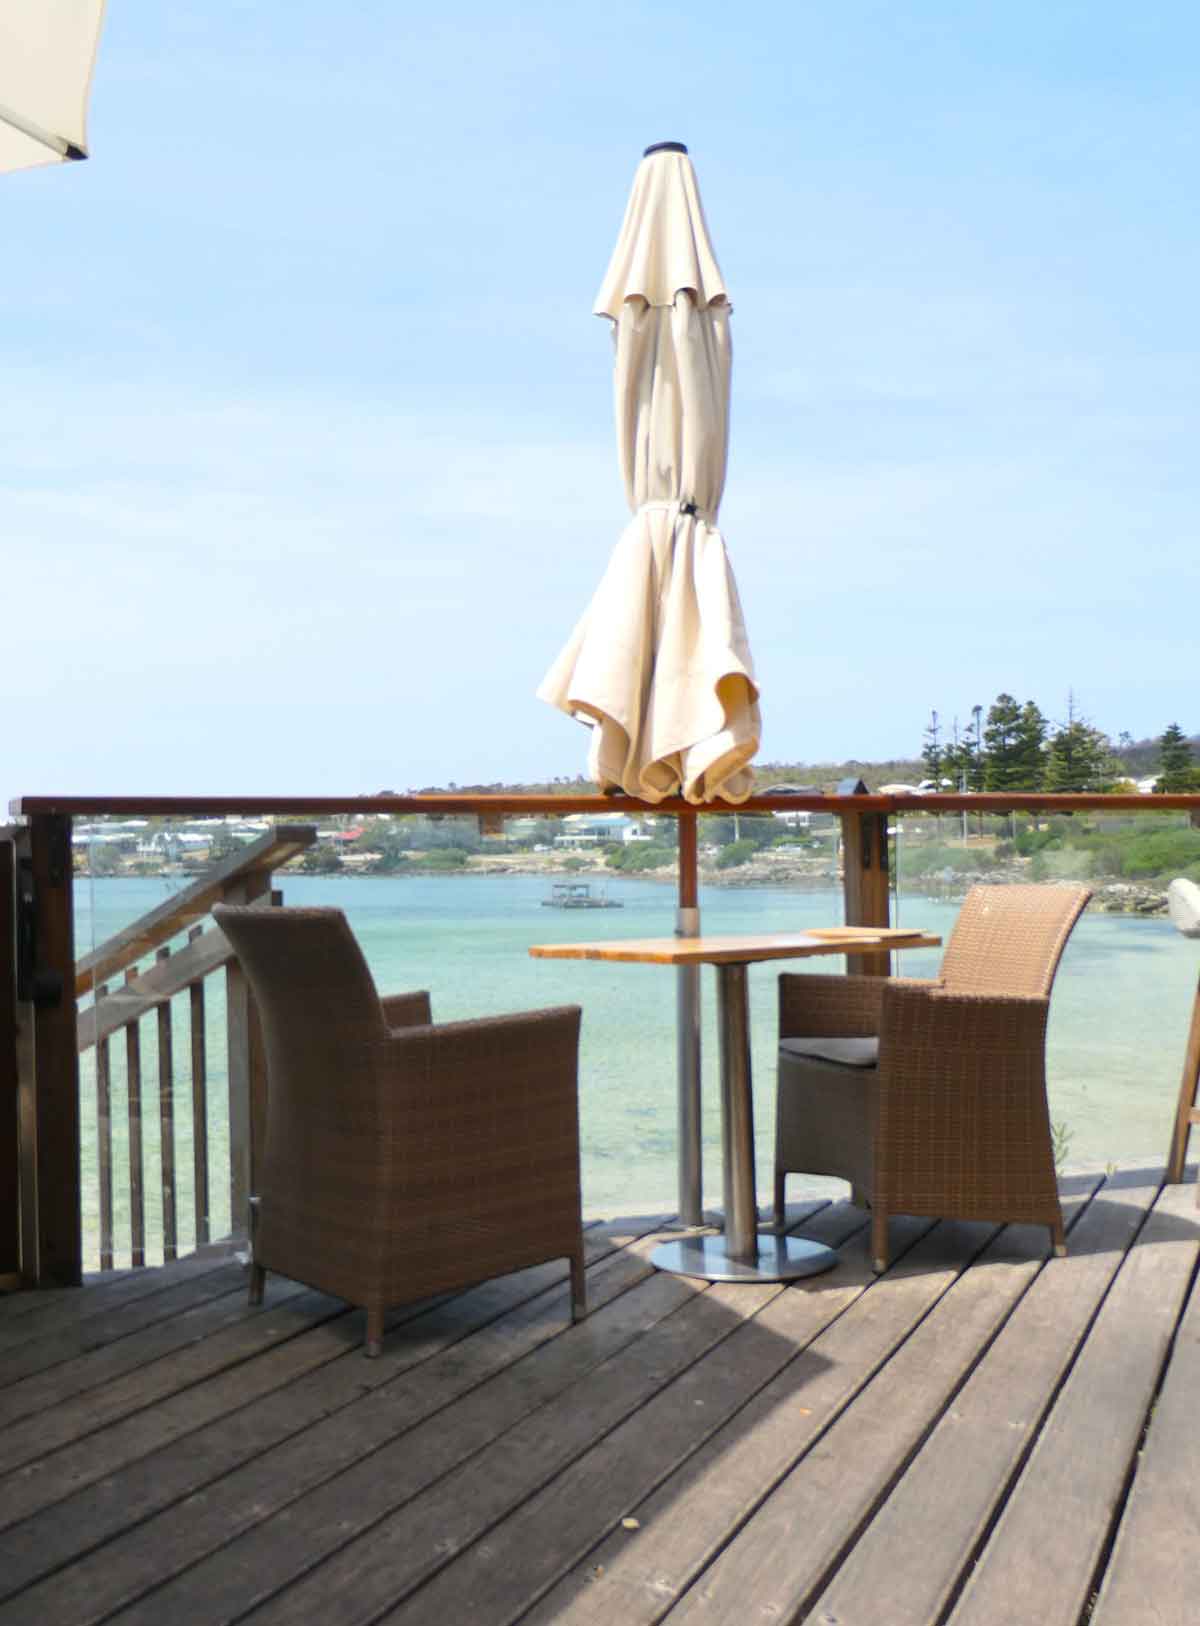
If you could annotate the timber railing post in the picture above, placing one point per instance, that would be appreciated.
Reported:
(865, 883)
(10, 1211)
(53, 1255)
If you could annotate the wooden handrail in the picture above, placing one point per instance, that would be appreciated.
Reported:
(259, 857)
(514, 803)
(517, 803)
(137, 998)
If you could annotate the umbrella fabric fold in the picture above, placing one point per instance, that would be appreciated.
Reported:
(47, 52)
(660, 662)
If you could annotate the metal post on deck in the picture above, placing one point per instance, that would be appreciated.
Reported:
(247, 1069)
(687, 924)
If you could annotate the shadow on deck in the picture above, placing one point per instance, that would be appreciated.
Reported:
(980, 1436)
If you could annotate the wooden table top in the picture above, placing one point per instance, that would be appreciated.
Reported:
(741, 949)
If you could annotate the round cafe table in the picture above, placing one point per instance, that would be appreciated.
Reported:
(741, 1254)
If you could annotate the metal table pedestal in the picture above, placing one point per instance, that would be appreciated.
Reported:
(776, 1259)
(741, 1254)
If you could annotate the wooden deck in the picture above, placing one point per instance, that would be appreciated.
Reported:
(980, 1436)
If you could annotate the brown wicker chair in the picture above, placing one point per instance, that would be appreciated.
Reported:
(402, 1159)
(930, 1096)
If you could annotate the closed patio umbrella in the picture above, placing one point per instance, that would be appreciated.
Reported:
(660, 663)
(47, 51)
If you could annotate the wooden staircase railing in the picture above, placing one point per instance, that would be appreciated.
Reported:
(133, 979)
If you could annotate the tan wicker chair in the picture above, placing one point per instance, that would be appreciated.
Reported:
(930, 1096)
(402, 1159)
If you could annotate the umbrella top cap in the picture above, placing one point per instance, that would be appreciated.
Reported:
(664, 246)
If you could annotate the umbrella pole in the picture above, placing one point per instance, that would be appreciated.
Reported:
(687, 924)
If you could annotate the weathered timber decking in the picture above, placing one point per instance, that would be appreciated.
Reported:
(981, 1436)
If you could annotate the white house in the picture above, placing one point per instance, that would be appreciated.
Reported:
(595, 829)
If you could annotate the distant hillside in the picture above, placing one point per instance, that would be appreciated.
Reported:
(824, 775)
(1137, 758)
(1141, 757)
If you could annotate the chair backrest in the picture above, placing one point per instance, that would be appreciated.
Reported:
(1009, 939)
(315, 994)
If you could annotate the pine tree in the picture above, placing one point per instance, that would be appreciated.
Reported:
(1175, 770)
(1003, 764)
(954, 759)
(932, 753)
(1031, 747)
(973, 756)
(1080, 757)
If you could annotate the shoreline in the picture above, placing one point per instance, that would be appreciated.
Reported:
(1147, 899)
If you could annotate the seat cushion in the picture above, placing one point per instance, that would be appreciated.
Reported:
(845, 1052)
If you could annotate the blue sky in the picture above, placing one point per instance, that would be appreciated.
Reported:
(309, 464)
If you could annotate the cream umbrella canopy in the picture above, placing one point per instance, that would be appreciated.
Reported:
(660, 662)
(47, 51)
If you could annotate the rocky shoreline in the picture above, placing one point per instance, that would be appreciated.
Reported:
(775, 869)
(779, 870)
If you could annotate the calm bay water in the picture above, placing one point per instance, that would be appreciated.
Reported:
(1118, 1019)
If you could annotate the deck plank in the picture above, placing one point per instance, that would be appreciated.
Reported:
(958, 1442)
(684, 1525)
(645, 1438)
(765, 1573)
(1041, 1561)
(52, 1347)
(1151, 1576)
(374, 1414)
(917, 1546)
(87, 1494)
(388, 1457)
(200, 1343)
(196, 1305)
(788, 1350)
(295, 1364)
(35, 1311)
(687, 1319)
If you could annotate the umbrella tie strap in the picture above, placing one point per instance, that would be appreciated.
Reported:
(691, 509)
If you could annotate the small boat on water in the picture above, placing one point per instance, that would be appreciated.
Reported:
(579, 895)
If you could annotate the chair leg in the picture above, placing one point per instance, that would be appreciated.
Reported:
(879, 1241)
(780, 1212)
(258, 1280)
(578, 1287)
(1058, 1238)
(374, 1344)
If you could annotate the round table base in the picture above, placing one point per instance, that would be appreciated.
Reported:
(780, 1259)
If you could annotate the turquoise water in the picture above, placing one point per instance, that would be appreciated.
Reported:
(1118, 1019)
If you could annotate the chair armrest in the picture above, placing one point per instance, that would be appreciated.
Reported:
(497, 1083)
(478, 1143)
(827, 1007)
(406, 1010)
(960, 1039)
(963, 1122)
